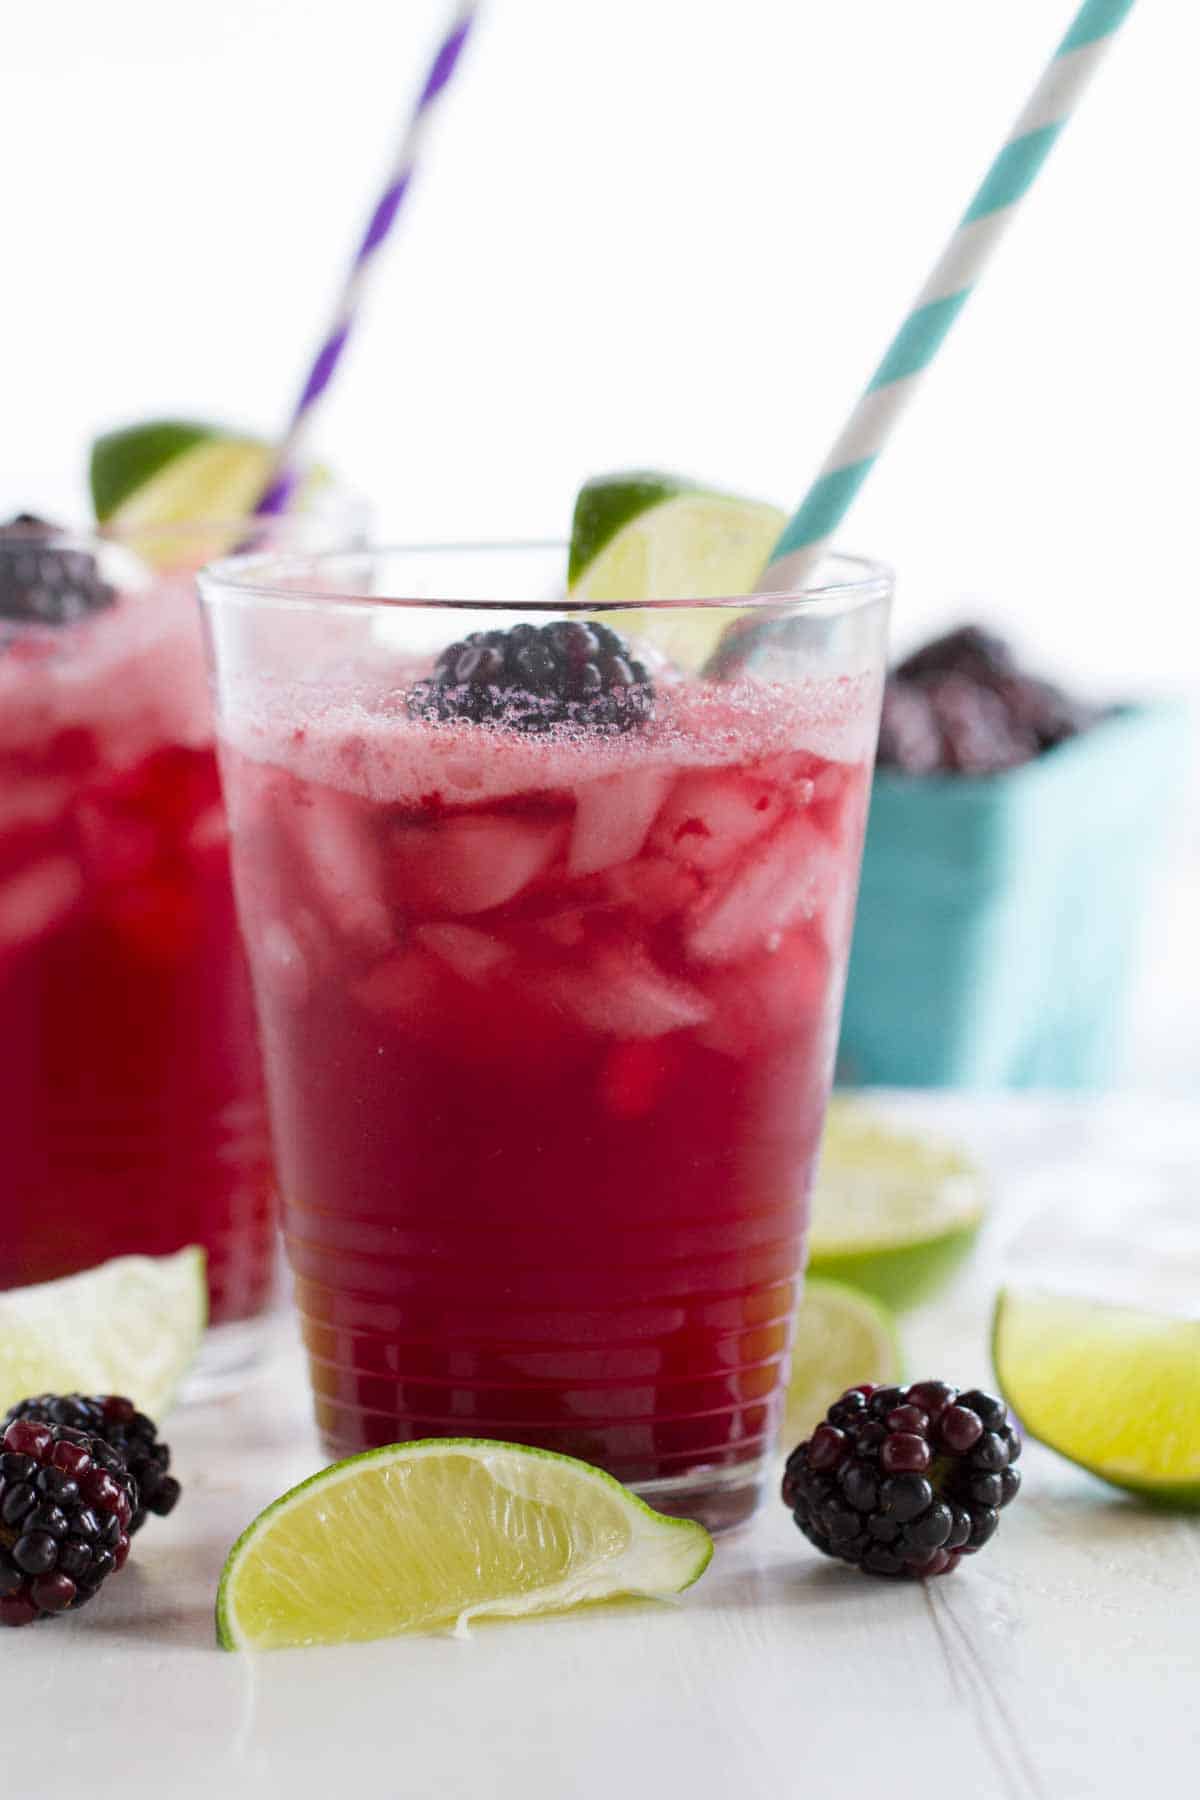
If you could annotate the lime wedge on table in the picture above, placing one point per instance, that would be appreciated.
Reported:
(1113, 1388)
(130, 1326)
(842, 1337)
(893, 1213)
(427, 1536)
(642, 536)
(170, 471)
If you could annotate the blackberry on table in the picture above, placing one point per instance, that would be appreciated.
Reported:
(43, 579)
(904, 1482)
(533, 678)
(66, 1504)
(132, 1436)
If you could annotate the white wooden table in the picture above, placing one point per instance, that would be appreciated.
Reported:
(1062, 1664)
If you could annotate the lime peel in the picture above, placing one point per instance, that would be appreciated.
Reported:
(123, 461)
(893, 1213)
(391, 1543)
(644, 536)
(1114, 1389)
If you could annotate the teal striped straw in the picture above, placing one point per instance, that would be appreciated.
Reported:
(943, 297)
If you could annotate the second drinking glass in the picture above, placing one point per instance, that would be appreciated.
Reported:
(548, 931)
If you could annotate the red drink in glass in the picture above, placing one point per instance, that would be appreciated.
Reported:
(131, 1109)
(549, 1024)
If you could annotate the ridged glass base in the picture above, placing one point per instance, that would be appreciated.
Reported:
(720, 1498)
(228, 1355)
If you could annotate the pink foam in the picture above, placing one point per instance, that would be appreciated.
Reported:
(132, 676)
(369, 746)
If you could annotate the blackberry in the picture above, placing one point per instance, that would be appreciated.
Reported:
(43, 580)
(968, 650)
(130, 1434)
(1043, 710)
(979, 734)
(66, 1503)
(909, 737)
(904, 1482)
(533, 678)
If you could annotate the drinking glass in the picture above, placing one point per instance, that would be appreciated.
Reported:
(548, 992)
(131, 1106)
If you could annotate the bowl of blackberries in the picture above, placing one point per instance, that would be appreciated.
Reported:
(1013, 834)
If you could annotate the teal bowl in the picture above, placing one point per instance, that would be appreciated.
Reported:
(998, 916)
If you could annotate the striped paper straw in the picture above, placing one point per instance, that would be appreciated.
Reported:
(278, 492)
(944, 295)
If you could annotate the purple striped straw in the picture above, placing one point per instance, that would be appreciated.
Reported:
(278, 492)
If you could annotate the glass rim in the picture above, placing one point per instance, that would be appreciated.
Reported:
(259, 576)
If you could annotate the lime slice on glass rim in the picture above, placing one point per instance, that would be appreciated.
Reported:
(430, 1535)
(170, 471)
(1113, 1388)
(893, 1213)
(147, 478)
(643, 535)
(130, 1326)
(843, 1337)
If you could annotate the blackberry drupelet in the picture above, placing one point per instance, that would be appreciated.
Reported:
(532, 678)
(66, 1502)
(904, 1482)
(130, 1433)
(44, 581)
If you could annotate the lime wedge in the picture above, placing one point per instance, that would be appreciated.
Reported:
(643, 536)
(842, 1337)
(1112, 1388)
(428, 1536)
(131, 1326)
(893, 1214)
(171, 472)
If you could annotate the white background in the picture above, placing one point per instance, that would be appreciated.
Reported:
(648, 232)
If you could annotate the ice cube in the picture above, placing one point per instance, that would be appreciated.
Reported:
(118, 847)
(283, 958)
(612, 816)
(769, 998)
(471, 954)
(27, 804)
(779, 882)
(403, 987)
(335, 837)
(714, 814)
(622, 994)
(210, 830)
(38, 899)
(653, 887)
(470, 863)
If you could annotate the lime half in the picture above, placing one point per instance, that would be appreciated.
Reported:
(430, 1535)
(843, 1337)
(131, 1326)
(645, 536)
(893, 1213)
(1112, 1388)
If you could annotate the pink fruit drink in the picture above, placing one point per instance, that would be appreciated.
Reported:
(549, 1023)
(131, 1111)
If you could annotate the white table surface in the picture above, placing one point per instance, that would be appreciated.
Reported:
(1063, 1662)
